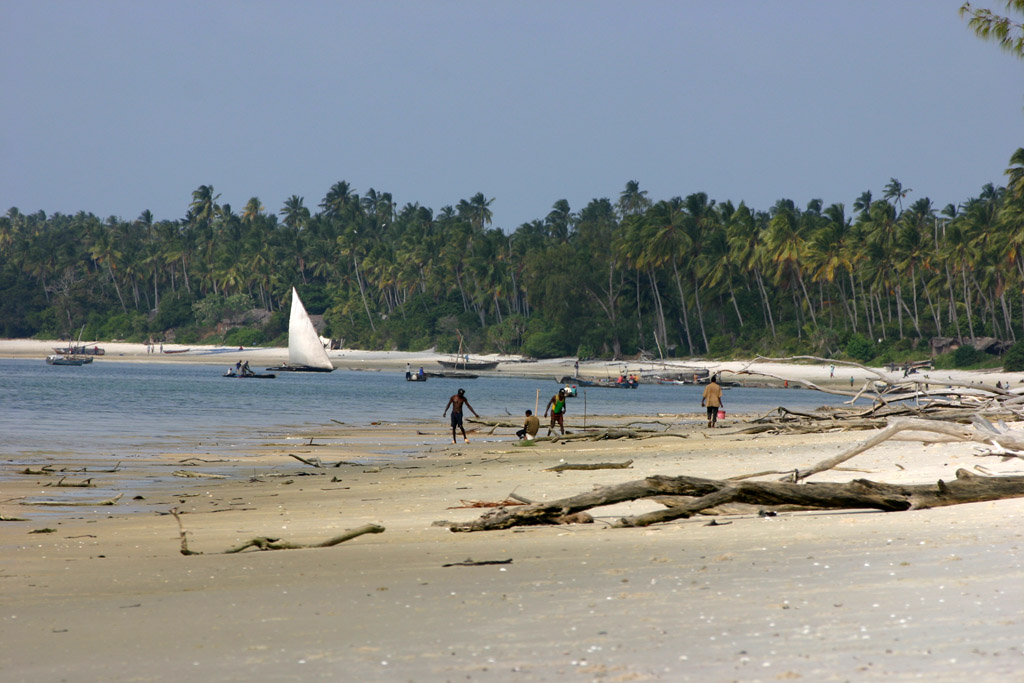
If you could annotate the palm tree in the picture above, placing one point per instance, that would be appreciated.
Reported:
(1015, 188)
(895, 190)
(339, 200)
(295, 212)
(559, 221)
(787, 242)
(633, 200)
(253, 210)
(204, 204)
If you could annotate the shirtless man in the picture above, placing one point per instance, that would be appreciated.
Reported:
(455, 403)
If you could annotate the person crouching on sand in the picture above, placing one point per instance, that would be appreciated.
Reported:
(455, 403)
(530, 427)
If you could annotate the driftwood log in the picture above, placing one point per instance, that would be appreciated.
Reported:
(891, 395)
(79, 503)
(857, 494)
(267, 543)
(591, 466)
(709, 493)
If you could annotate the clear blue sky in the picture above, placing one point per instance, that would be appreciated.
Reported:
(116, 107)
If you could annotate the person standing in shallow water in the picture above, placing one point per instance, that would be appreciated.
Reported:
(712, 400)
(455, 403)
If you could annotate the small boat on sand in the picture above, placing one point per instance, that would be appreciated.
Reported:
(79, 350)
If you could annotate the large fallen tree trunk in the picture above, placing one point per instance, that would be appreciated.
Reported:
(708, 493)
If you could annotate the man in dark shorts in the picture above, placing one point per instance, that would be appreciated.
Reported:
(455, 403)
(557, 407)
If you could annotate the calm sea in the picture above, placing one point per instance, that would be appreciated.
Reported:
(117, 408)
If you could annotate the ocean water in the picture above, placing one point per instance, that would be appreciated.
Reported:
(118, 408)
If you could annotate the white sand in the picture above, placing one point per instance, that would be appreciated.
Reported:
(847, 596)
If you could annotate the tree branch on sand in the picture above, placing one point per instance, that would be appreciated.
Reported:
(918, 396)
(267, 543)
(700, 495)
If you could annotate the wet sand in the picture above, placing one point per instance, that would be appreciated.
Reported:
(813, 596)
(107, 595)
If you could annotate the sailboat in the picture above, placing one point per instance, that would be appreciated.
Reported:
(463, 362)
(305, 352)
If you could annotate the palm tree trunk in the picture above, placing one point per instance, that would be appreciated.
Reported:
(700, 312)
(952, 306)
(110, 274)
(967, 303)
(807, 297)
(1007, 315)
(362, 291)
(735, 304)
(936, 311)
(682, 306)
(766, 306)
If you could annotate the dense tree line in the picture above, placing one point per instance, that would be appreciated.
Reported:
(670, 277)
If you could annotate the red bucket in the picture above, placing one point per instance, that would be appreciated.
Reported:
(721, 414)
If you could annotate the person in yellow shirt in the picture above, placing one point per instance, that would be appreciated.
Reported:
(712, 400)
(557, 407)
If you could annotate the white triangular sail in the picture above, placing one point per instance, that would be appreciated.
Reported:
(304, 347)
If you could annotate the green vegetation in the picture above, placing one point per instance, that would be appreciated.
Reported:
(684, 276)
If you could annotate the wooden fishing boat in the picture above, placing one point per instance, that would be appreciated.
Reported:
(68, 360)
(463, 364)
(79, 350)
(255, 375)
(598, 384)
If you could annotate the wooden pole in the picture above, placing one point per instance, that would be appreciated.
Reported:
(536, 403)
(584, 408)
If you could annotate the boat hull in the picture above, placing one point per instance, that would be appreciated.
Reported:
(471, 365)
(590, 384)
(67, 360)
(258, 375)
(299, 368)
(80, 350)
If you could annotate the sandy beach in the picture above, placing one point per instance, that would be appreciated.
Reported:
(95, 592)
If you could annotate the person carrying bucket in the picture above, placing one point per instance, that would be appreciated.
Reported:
(712, 400)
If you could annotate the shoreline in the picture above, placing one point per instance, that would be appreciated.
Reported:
(818, 373)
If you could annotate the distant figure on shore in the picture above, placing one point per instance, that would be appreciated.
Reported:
(238, 368)
(712, 400)
(408, 371)
(456, 402)
(246, 372)
(421, 373)
(556, 405)
(530, 427)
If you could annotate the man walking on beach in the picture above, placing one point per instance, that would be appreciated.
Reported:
(557, 407)
(455, 403)
(530, 427)
(712, 399)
